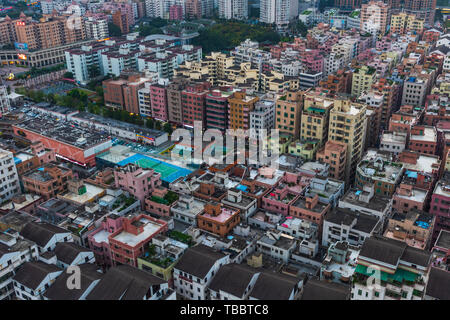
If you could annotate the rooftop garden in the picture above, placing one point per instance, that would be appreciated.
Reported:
(151, 256)
(169, 198)
(179, 236)
(354, 14)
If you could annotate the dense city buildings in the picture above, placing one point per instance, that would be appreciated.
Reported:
(332, 182)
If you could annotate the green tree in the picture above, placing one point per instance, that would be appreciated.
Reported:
(68, 75)
(114, 31)
(93, 71)
(168, 128)
(150, 123)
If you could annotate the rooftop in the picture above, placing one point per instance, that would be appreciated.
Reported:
(63, 131)
(149, 228)
(92, 192)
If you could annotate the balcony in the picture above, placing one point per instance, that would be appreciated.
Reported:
(394, 288)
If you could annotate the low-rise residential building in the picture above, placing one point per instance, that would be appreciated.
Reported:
(310, 209)
(130, 284)
(128, 242)
(14, 251)
(236, 198)
(279, 199)
(423, 139)
(98, 240)
(218, 218)
(408, 197)
(414, 227)
(72, 254)
(137, 181)
(440, 207)
(329, 190)
(161, 201)
(277, 245)
(161, 256)
(366, 201)
(187, 209)
(196, 269)
(402, 271)
(49, 182)
(45, 235)
(339, 263)
(33, 279)
(379, 169)
(393, 141)
(345, 225)
(89, 278)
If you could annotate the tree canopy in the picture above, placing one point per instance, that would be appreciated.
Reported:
(229, 34)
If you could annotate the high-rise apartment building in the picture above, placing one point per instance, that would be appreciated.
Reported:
(233, 9)
(9, 179)
(279, 12)
(422, 9)
(348, 124)
(50, 31)
(375, 17)
(335, 154)
(347, 5)
(4, 100)
(315, 117)
(193, 9)
(402, 23)
(240, 105)
(262, 117)
(390, 91)
(193, 103)
(97, 27)
(363, 79)
(217, 109)
(288, 113)
(121, 20)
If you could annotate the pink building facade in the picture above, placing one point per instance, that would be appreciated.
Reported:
(407, 197)
(156, 204)
(99, 243)
(137, 181)
(158, 100)
(176, 12)
(440, 207)
(279, 199)
(313, 60)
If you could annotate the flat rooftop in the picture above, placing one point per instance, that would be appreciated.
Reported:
(380, 167)
(377, 202)
(151, 133)
(301, 203)
(65, 132)
(101, 236)
(91, 193)
(150, 228)
(442, 188)
(225, 215)
(429, 135)
(417, 195)
(16, 205)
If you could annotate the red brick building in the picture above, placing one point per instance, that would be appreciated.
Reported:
(218, 218)
(193, 103)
